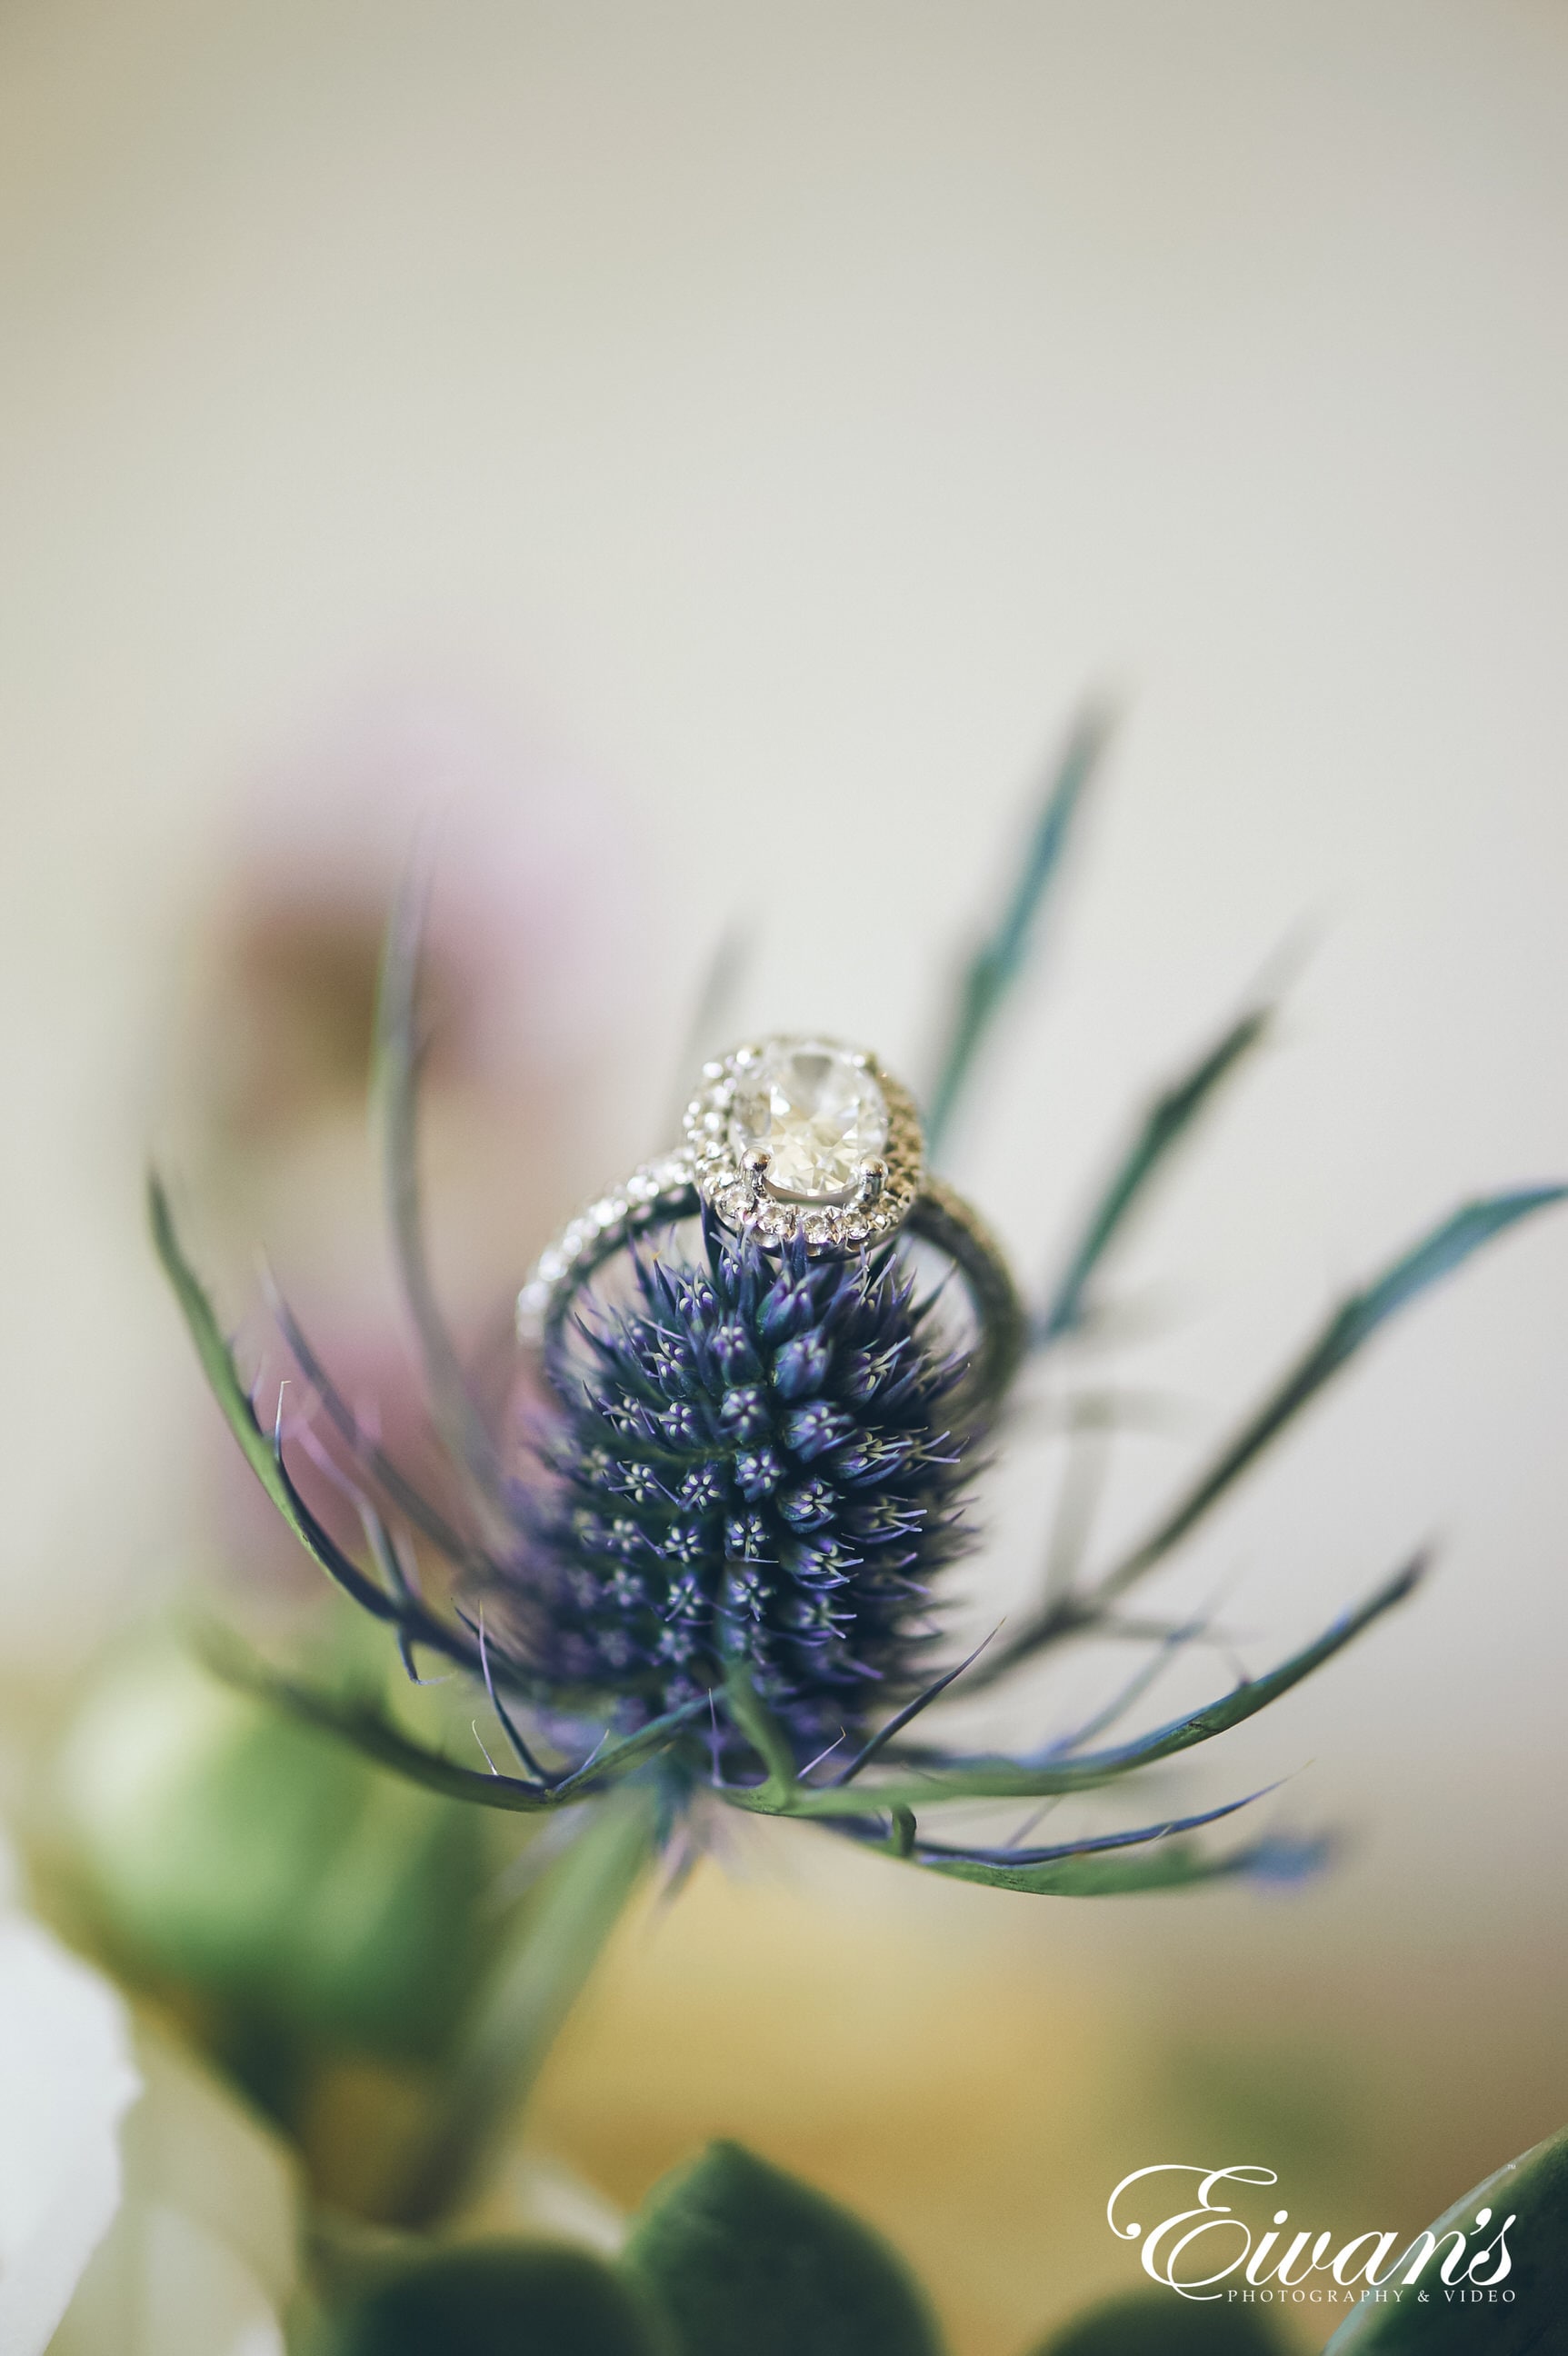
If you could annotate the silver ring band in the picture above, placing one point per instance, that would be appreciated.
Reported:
(660, 1194)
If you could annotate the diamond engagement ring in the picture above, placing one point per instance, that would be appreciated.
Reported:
(799, 1141)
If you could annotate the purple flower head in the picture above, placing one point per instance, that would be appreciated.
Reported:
(755, 1460)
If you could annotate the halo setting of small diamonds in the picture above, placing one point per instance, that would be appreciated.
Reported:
(805, 1137)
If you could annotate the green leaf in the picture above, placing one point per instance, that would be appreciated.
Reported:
(1529, 2200)
(1168, 1119)
(749, 2262)
(1163, 2323)
(997, 963)
(498, 2298)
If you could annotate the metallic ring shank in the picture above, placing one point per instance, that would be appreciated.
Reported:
(942, 1217)
(683, 1201)
(939, 1215)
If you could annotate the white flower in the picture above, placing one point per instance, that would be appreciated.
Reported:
(202, 2259)
(66, 2077)
(142, 2212)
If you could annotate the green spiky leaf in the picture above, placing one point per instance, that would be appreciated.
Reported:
(1438, 1254)
(396, 1092)
(1000, 960)
(263, 1453)
(1164, 1865)
(360, 1721)
(1026, 1779)
(1164, 1125)
(217, 1365)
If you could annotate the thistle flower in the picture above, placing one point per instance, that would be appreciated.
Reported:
(717, 1568)
(757, 1469)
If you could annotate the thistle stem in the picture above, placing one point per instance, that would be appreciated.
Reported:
(519, 2011)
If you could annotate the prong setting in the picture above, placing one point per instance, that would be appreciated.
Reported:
(823, 1188)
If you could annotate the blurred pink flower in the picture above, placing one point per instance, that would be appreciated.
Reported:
(533, 927)
(531, 952)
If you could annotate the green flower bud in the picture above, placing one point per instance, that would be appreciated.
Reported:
(225, 1853)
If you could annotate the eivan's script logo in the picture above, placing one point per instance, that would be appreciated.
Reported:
(1205, 2251)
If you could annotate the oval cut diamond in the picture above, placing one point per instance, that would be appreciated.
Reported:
(816, 1110)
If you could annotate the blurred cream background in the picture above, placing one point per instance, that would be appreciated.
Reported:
(789, 415)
